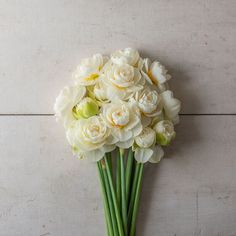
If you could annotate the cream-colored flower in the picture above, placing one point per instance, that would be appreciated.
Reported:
(146, 138)
(68, 98)
(122, 81)
(124, 122)
(88, 71)
(171, 105)
(90, 138)
(145, 149)
(153, 154)
(154, 72)
(149, 102)
(127, 56)
(165, 132)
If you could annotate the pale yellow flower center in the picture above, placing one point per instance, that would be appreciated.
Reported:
(92, 77)
(120, 118)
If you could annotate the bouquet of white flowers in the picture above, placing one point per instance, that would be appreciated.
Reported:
(119, 113)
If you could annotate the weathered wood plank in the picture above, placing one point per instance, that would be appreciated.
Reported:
(42, 41)
(43, 189)
(193, 191)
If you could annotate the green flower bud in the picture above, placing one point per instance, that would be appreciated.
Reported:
(164, 132)
(85, 109)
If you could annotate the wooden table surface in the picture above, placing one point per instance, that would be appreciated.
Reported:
(44, 190)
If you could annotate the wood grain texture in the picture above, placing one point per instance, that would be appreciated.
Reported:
(41, 42)
(46, 191)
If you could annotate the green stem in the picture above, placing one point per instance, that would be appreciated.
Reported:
(117, 212)
(136, 201)
(128, 173)
(133, 192)
(123, 191)
(105, 201)
(109, 158)
(111, 205)
(118, 182)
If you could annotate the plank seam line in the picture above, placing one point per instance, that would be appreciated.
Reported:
(182, 114)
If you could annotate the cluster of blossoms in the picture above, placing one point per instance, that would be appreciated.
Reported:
(118, 101)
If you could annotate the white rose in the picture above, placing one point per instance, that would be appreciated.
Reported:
(88, 71)
(171, 105)
(68, 98)
(128, 56)
(145, 149)
(122, 81)
(165, 132)
(124, 122)
(154, 72)
(90, 138)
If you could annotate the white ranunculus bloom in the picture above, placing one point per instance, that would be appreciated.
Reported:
(165, 132)
(154, 72)
(88, 71)
(68, 98)
(145, 149)
(149, 102)
(127, 56)
(91, 138)
(146, 138)
(124, 122)
(171, 105)
(122, 81)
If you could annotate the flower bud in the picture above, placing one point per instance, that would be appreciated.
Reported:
(164, 132)
(146, 139)
(85, 109)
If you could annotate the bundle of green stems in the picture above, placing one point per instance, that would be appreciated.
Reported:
(120, 178)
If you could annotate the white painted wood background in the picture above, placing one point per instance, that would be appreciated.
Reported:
(44, 191)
